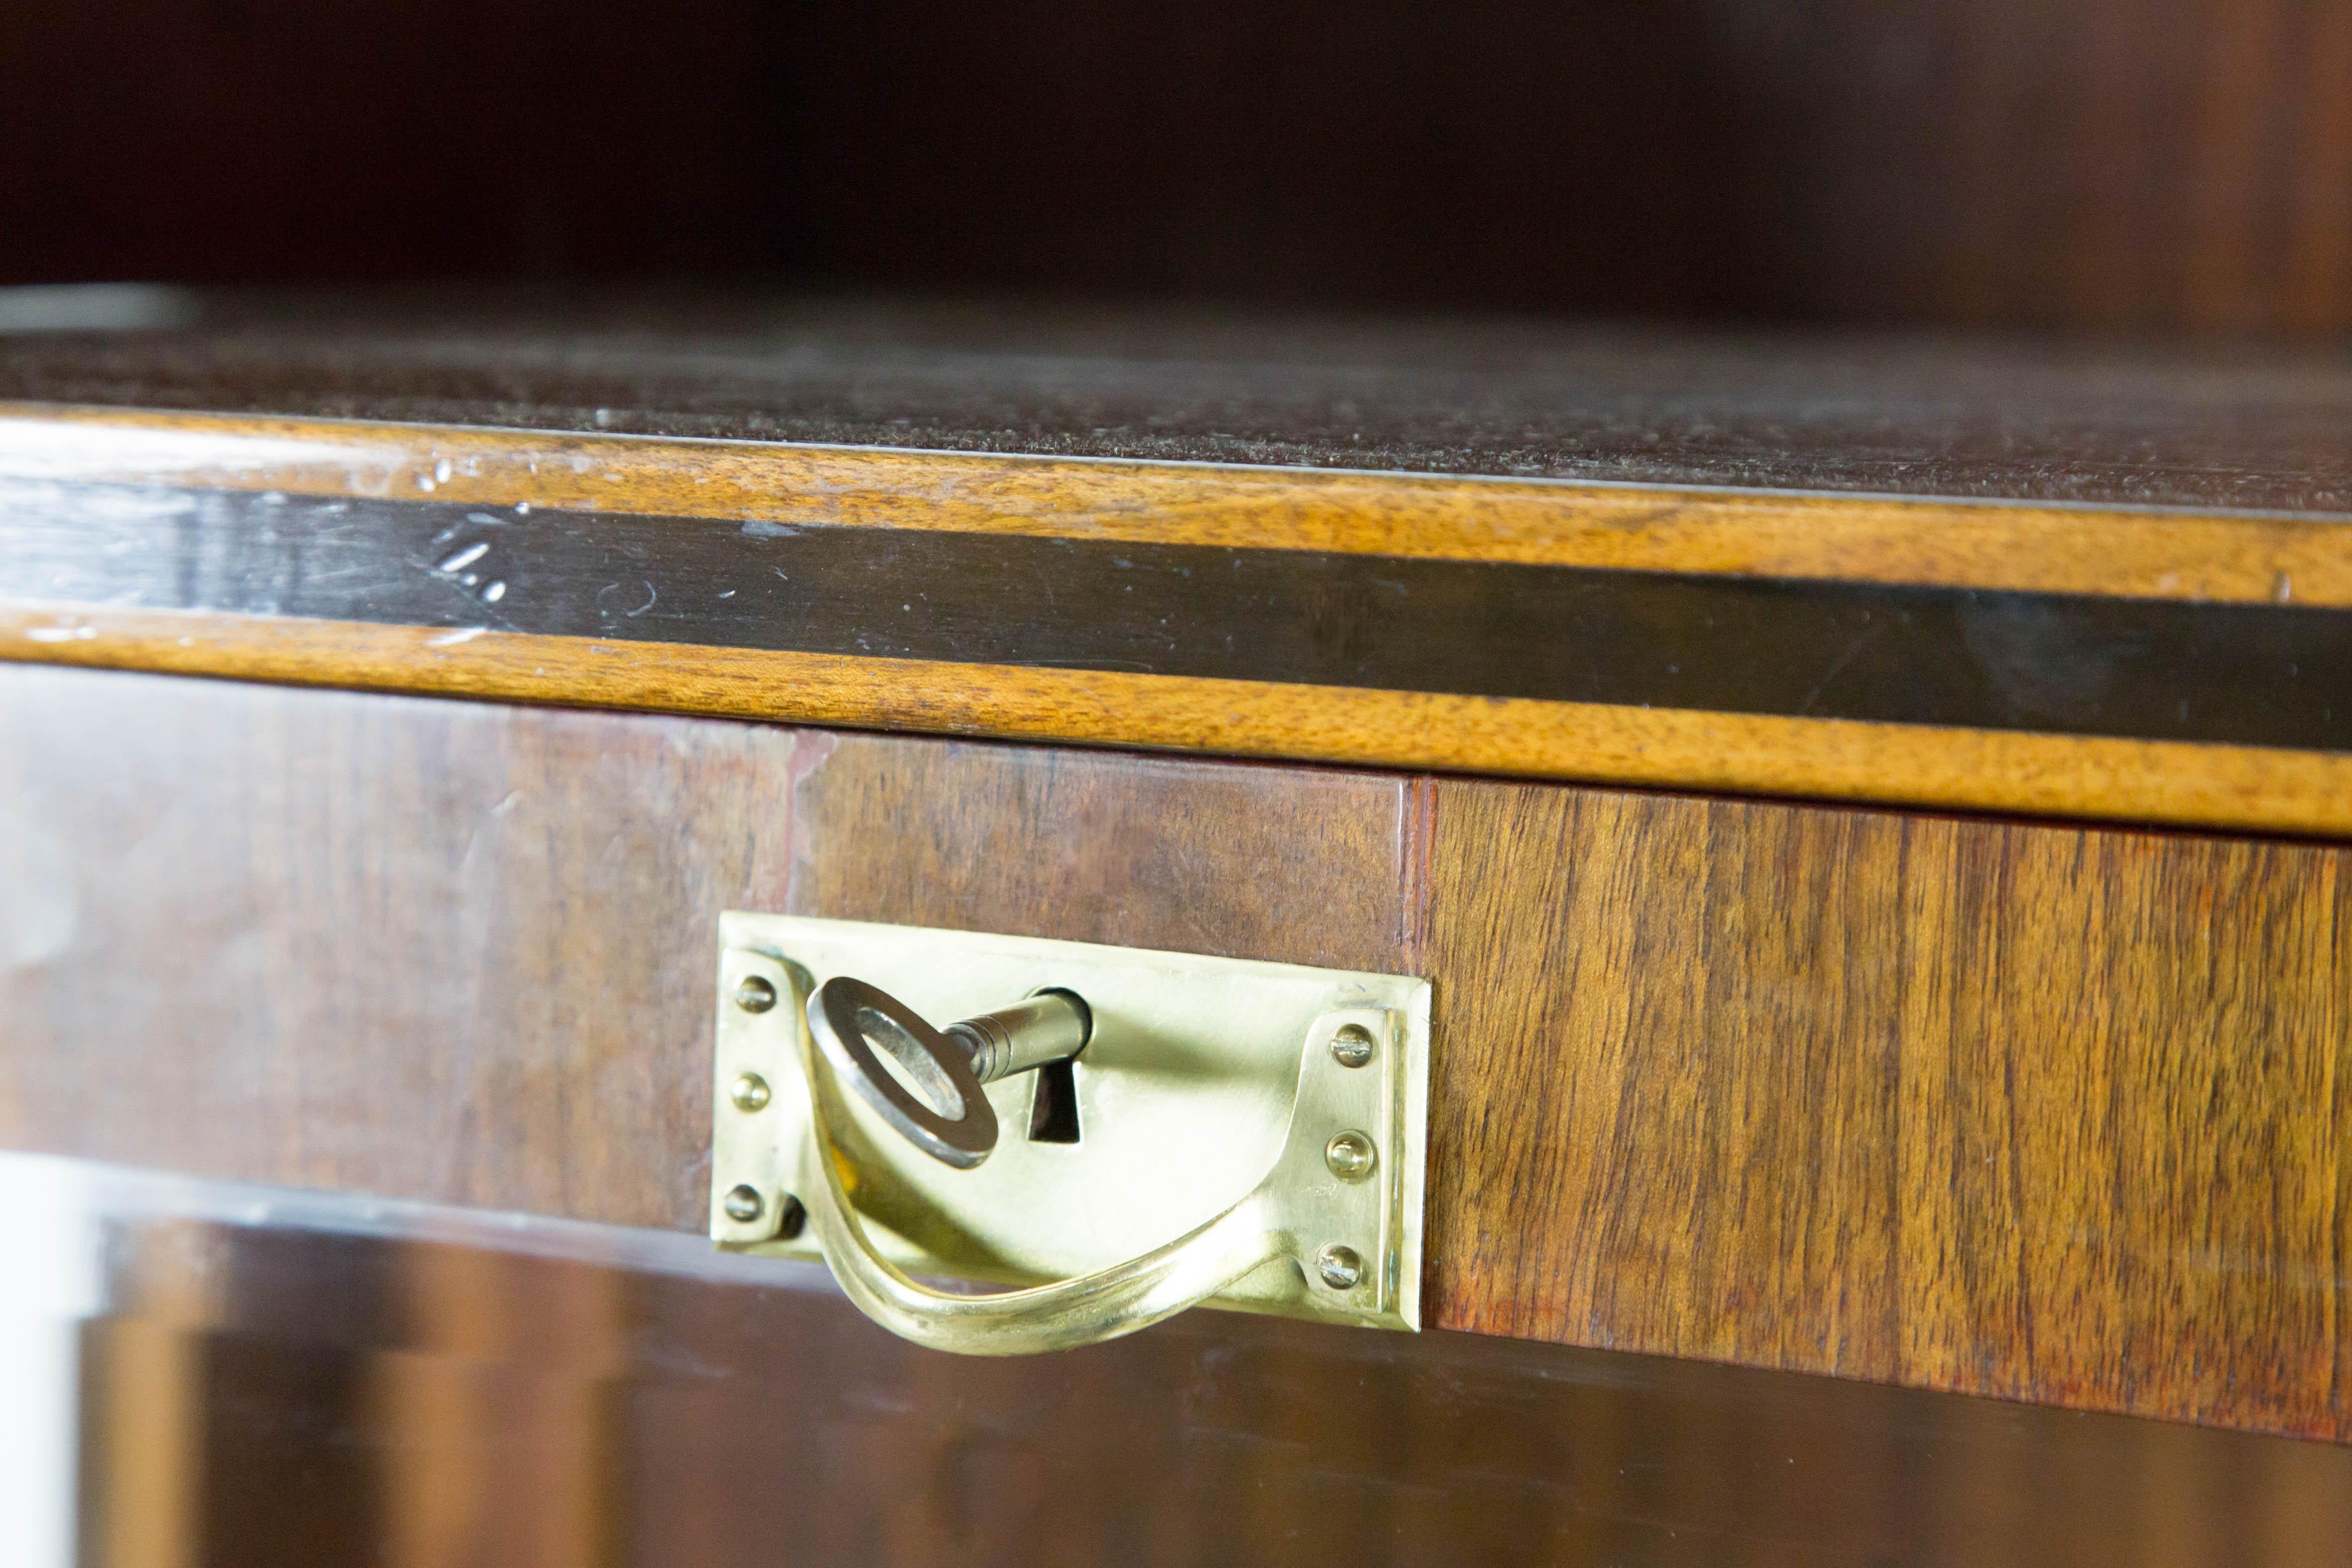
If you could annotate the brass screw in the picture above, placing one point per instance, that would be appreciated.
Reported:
(1341, 1267)
(749, 1092)
(1351, 1045)
(743, 1204)
(1351, 1156)
(755, 995)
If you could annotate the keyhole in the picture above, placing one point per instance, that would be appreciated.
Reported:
(1053, 1106)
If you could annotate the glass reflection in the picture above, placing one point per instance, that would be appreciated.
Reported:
(193, 1373)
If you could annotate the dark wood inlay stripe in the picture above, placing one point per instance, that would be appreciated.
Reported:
(2044, 663)
(2236, 557)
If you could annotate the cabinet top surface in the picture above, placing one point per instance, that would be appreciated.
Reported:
(2055, 581)
(2103, 423)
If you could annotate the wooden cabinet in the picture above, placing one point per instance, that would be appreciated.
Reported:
(1880, 937)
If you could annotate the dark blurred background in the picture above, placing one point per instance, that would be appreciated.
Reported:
(2147, 166)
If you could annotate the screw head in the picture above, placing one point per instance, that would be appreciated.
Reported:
(1351, 1045)
(1351, 1156)
(1341, 1268)
(748, 1092)
(755, 995)
(743, 1204)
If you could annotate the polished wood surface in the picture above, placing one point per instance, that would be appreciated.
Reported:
(456, 952)
(2243, 787)
(1932, 415)
(464, 952)
(1961, 1104)
(2214, 555)
(1285, 864)
(2035, 1111)
(2026, 658)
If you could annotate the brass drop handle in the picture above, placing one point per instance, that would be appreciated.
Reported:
(849, 1019)
(1241, 1133)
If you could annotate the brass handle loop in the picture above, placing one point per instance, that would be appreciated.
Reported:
(1060, 1316)
(1163, 1088)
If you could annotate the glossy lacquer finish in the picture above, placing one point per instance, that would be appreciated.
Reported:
(213, 1374)
(2041, 1111)
(2089, 665)
(2018, 656)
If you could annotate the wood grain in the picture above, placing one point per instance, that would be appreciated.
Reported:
(2005, 1109)
(463, 952)
(2190, 783)
(2166, 554)
(379, 944)
(1287, 864)
(2045, 1112)
(2091, 715)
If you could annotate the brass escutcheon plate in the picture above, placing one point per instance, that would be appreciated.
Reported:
(1186, 1094)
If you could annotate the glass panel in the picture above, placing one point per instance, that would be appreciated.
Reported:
(198, 1373)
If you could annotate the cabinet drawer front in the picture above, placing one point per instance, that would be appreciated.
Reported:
(2048, 1112)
